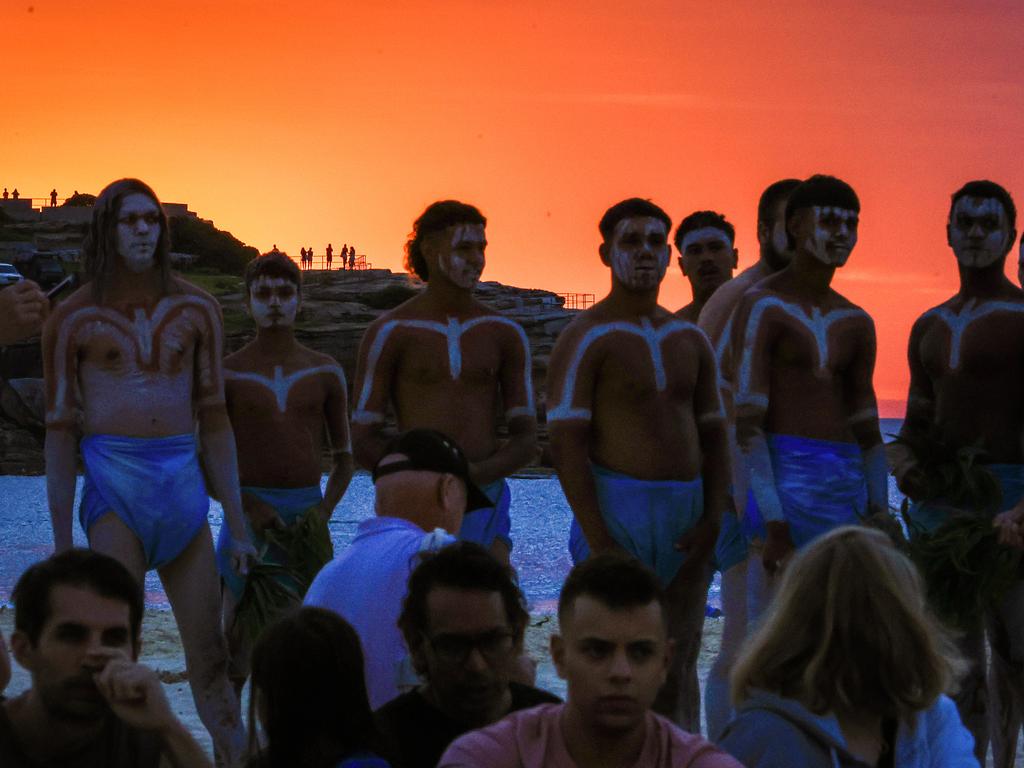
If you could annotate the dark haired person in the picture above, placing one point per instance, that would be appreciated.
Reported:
(849, 668)
(1020, 262)
(638, 435)
(731, 548)
(707, 257)
(463, 621)
(966, 374)
(284, 394)
(423, 490)
(613, 651)
(77, 623)
(806, 414)
(442, 360)
(132, 363)
(309, 693)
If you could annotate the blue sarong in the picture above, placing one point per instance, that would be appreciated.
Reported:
(290, 504)
(731, 547)
(927, 516)
(153, 484)
(646, 517)
(820, 484)
(487, 524)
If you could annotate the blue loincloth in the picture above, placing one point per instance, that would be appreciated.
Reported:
(731, 547)
(486, 524)
(290, 504)
(820, 484)
(646, 517)
(153, 484)
(926, 516)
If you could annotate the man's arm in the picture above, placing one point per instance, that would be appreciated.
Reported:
(60, 372)
(515, 376)
(336, 417)
(372, 394)
(919, 418)
(862, 407)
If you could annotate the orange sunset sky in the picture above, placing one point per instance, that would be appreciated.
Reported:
(330, 120)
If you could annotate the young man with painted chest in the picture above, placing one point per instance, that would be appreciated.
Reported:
(280, 393)
(444, 361)
(638, 435)
(966, 375)
(806, 413)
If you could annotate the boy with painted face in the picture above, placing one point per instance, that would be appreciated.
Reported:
(638, 435)
(806, 413)
(707, 257)
(442, 360)
(731, 548)
(282, 393)
(132, 363)
(966, 374)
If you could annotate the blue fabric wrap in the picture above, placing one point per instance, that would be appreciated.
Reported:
(154, 485)
(486, 524)
(731, 547)
(646, 517)
(290, 504)
(820, 484)
(929, 515)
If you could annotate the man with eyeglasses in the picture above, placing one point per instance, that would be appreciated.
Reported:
(463, 621)
(422, 492)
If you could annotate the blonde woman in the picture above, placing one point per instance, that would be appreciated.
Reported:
(849, 667)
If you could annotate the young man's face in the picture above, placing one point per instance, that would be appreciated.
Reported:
(468, 652)
(83, 632)
(460, 254)
(827, 232)
(273, 302)
(138, 231)
(638, 252)
(613, 661)
(707, 258)
(979, 232)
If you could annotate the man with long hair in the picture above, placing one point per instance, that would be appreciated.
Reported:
(132, 364)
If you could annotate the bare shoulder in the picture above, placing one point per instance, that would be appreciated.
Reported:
(318, 359)
(80, 298)
(184, 287)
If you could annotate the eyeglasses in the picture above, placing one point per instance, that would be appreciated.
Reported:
(152, 218)
(455, 649)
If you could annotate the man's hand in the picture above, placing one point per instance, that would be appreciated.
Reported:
(134, 693)
(241, 554)
(23, 308)
(778, 546)
(261, 515)
(697, 543)
(1010, 525)
(910, 479)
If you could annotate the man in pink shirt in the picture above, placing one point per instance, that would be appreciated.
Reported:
(613, 652)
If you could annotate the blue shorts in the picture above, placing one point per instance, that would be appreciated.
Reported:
(731, 547)
(290, 504)
(820, 484)
(646, 517)
(487, 524)
(153, 484)
(926, 516)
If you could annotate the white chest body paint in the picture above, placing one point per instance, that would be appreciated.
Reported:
(652, 337)
(959, 322)
(817, 324)
(280, 385)
(452, 331)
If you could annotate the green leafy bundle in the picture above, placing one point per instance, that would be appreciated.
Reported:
(289, 560)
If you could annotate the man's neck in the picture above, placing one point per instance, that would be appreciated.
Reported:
(444, 295)
(500, 708)
(44, 737)
(809, 277)
(124, 287)
(592, 748)
(275, 342)
(983, 283)
(630, 302)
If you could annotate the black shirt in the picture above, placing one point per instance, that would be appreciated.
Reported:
(419, 733)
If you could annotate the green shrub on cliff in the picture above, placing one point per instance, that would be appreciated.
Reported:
(215, 248)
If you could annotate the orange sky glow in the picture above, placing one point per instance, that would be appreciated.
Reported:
(304, 123)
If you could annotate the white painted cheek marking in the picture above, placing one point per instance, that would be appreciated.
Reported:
(705, 233)
(958, 323)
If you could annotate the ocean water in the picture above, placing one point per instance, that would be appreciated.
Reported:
(540, 531)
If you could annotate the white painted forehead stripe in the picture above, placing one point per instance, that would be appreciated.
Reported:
(705, 233)
(842, 213)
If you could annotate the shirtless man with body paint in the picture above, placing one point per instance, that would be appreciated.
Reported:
(966, 375)
(444, 361)
(731, 547)
(284, 394)
(806, 413)
(132, 363)
(707, 257)
(638, 436)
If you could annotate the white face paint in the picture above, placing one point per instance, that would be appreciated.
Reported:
(978, 231)
(462, 258)
(639, 252)
(702, 237)
(834, 236)
(273, 302)
(138, 231)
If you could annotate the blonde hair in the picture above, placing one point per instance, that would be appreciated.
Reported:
(849, 631)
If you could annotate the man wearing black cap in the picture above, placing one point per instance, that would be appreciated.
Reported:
(422, 492)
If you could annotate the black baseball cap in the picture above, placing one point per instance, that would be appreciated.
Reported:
(428, 449)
